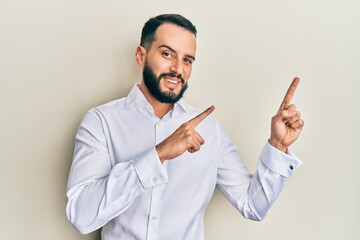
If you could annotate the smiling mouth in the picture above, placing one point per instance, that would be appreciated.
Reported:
(172, 81)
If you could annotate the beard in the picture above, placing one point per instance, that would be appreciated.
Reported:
(153, 85)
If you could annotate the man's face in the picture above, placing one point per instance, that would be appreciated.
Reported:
(152, 82)
(168, 63)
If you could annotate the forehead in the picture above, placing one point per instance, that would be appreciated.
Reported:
(178, 38)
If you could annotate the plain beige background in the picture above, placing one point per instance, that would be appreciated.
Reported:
(61, 57)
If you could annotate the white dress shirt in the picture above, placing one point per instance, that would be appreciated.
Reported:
(117, 181)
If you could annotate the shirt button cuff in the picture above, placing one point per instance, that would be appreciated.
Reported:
(149, 169)
(279, 162)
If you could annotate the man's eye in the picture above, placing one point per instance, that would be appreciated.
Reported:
(167, 54)
(188, 60)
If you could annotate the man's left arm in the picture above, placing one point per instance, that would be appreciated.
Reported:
(253, 195)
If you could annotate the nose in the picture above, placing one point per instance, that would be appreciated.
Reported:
(177, 67)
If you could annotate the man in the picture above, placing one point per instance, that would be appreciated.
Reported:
(146, 166)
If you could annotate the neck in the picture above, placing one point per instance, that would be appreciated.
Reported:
(160, 109)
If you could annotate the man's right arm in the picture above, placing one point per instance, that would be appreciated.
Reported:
(97, 190)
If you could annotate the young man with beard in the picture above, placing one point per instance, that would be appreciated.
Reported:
(146, 166)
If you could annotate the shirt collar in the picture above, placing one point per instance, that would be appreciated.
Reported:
(135, 96)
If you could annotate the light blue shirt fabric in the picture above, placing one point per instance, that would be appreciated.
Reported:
(117, 181)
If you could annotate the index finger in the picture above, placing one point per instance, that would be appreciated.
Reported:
(196, 120)
(289, 94)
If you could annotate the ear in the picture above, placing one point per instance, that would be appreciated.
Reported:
(140, 55)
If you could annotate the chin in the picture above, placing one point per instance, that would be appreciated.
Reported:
(170, 91)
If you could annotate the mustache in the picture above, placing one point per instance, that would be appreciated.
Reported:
(178, 76)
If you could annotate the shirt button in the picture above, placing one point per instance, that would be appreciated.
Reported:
(154, 179)
(291, 167)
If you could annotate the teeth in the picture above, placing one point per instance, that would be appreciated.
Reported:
(171, 81)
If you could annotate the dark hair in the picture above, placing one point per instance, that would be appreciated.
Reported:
(150, 27)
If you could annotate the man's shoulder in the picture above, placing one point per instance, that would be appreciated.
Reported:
(116, 105)
(113, 104)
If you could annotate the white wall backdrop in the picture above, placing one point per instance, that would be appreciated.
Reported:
(59, 58)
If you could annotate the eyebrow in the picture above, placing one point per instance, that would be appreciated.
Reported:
(173, 50)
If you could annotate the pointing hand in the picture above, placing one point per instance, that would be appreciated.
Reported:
(185, 138)
(286, 125)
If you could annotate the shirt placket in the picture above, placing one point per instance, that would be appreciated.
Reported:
(154, 213)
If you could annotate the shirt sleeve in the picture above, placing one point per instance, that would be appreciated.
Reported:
(253, 194)
(98, 190)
